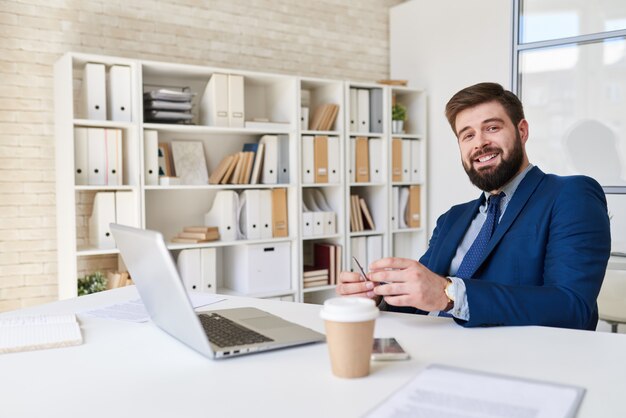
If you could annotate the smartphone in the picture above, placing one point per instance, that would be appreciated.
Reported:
(388, 349)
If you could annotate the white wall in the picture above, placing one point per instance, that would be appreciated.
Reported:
(444, 46)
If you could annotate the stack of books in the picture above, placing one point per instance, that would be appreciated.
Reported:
(324, 117)
(240, 168)
(314, 277)
(197, 234)
(168, 106)
(360, 216)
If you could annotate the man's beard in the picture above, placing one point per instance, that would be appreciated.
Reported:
(493, 178)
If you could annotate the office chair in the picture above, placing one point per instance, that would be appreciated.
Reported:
(612, 298)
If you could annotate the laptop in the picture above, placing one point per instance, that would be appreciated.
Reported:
(214, 334)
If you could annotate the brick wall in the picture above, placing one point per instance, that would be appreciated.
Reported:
(328, 38)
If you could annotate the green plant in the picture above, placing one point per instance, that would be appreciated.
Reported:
(398, 112)
(92, 283)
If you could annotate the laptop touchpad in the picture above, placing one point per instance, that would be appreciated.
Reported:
(266, 322)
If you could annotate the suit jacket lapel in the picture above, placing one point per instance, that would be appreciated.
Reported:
(453, 238)
(515, 206)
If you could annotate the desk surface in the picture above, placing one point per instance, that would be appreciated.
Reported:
(127, 369)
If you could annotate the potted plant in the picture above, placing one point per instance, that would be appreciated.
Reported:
(92, 283)
(398, 116)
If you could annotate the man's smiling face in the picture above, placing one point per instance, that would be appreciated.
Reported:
(492, 148)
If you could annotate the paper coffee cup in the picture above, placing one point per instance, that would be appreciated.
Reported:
(350, 334)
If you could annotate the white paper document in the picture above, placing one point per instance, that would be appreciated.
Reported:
(135, 311)
(24, 333)
(446, 392)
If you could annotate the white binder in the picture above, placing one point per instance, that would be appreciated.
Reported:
(266, 213)
(197, 268)
(208, 269)
(307, 223)
(358, 247)
(333, 160)
(94, 92)
(125, 209)
(376, 110)
(375, 146)
(395, 197)
(151, 157)
(250, 214)
(308, 160)
(214, 102)
(269, 174)
(81, 156)
(118, 93)
(304, 118)
(406, 160)
(374, 248)
(190, 269)
(235, 101)
(330, 217)
(416, 146)
(352, 171)
(97, 157)
(223, 214)
(283, 159)
(102, 214)
(354, 111)
(114, 163)
(363, 110)
(258, 268)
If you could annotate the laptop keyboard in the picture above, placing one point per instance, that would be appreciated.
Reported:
(226, 333)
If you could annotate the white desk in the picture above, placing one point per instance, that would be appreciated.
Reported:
(135, 370)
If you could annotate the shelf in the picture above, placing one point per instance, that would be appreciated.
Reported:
(367, 134)
(218, 187)
(406, 183)
(406, 230)
(91, 251)
(214, 244)
(315, 185)
(103, 124)
(314, 237)
(319, 288)
(365, 233)
(201, 129)
(408, 136)
(325, 133)
(105, 188)
(367, 184)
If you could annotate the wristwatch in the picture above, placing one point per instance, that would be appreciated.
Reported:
(450, 290)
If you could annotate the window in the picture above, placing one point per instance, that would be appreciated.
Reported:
(569, 68)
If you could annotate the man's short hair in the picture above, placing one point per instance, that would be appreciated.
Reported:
(483, 93)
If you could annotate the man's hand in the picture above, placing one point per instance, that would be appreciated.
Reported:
(351, 284)
(409, 283)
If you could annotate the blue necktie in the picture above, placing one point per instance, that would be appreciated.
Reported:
(475, 253)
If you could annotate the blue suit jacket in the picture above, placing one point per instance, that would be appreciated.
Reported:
(546, 260)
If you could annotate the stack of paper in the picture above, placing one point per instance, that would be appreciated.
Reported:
(38, 332)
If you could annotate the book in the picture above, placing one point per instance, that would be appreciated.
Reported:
(25, 333)
(200, 229)
(190, 240)
(258, 165)
(231, 169)
(312, 271)
(316, 283)
(366, 214)
(212, 235)
(218, 174)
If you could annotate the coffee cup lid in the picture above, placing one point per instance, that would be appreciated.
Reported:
(349, 309)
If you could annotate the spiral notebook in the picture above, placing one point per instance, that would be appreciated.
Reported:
(25, 333)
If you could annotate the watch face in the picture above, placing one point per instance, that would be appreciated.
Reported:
(450, 290)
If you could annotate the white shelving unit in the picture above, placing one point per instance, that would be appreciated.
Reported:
(169, 208)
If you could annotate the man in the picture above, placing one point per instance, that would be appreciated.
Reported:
(531, 250)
